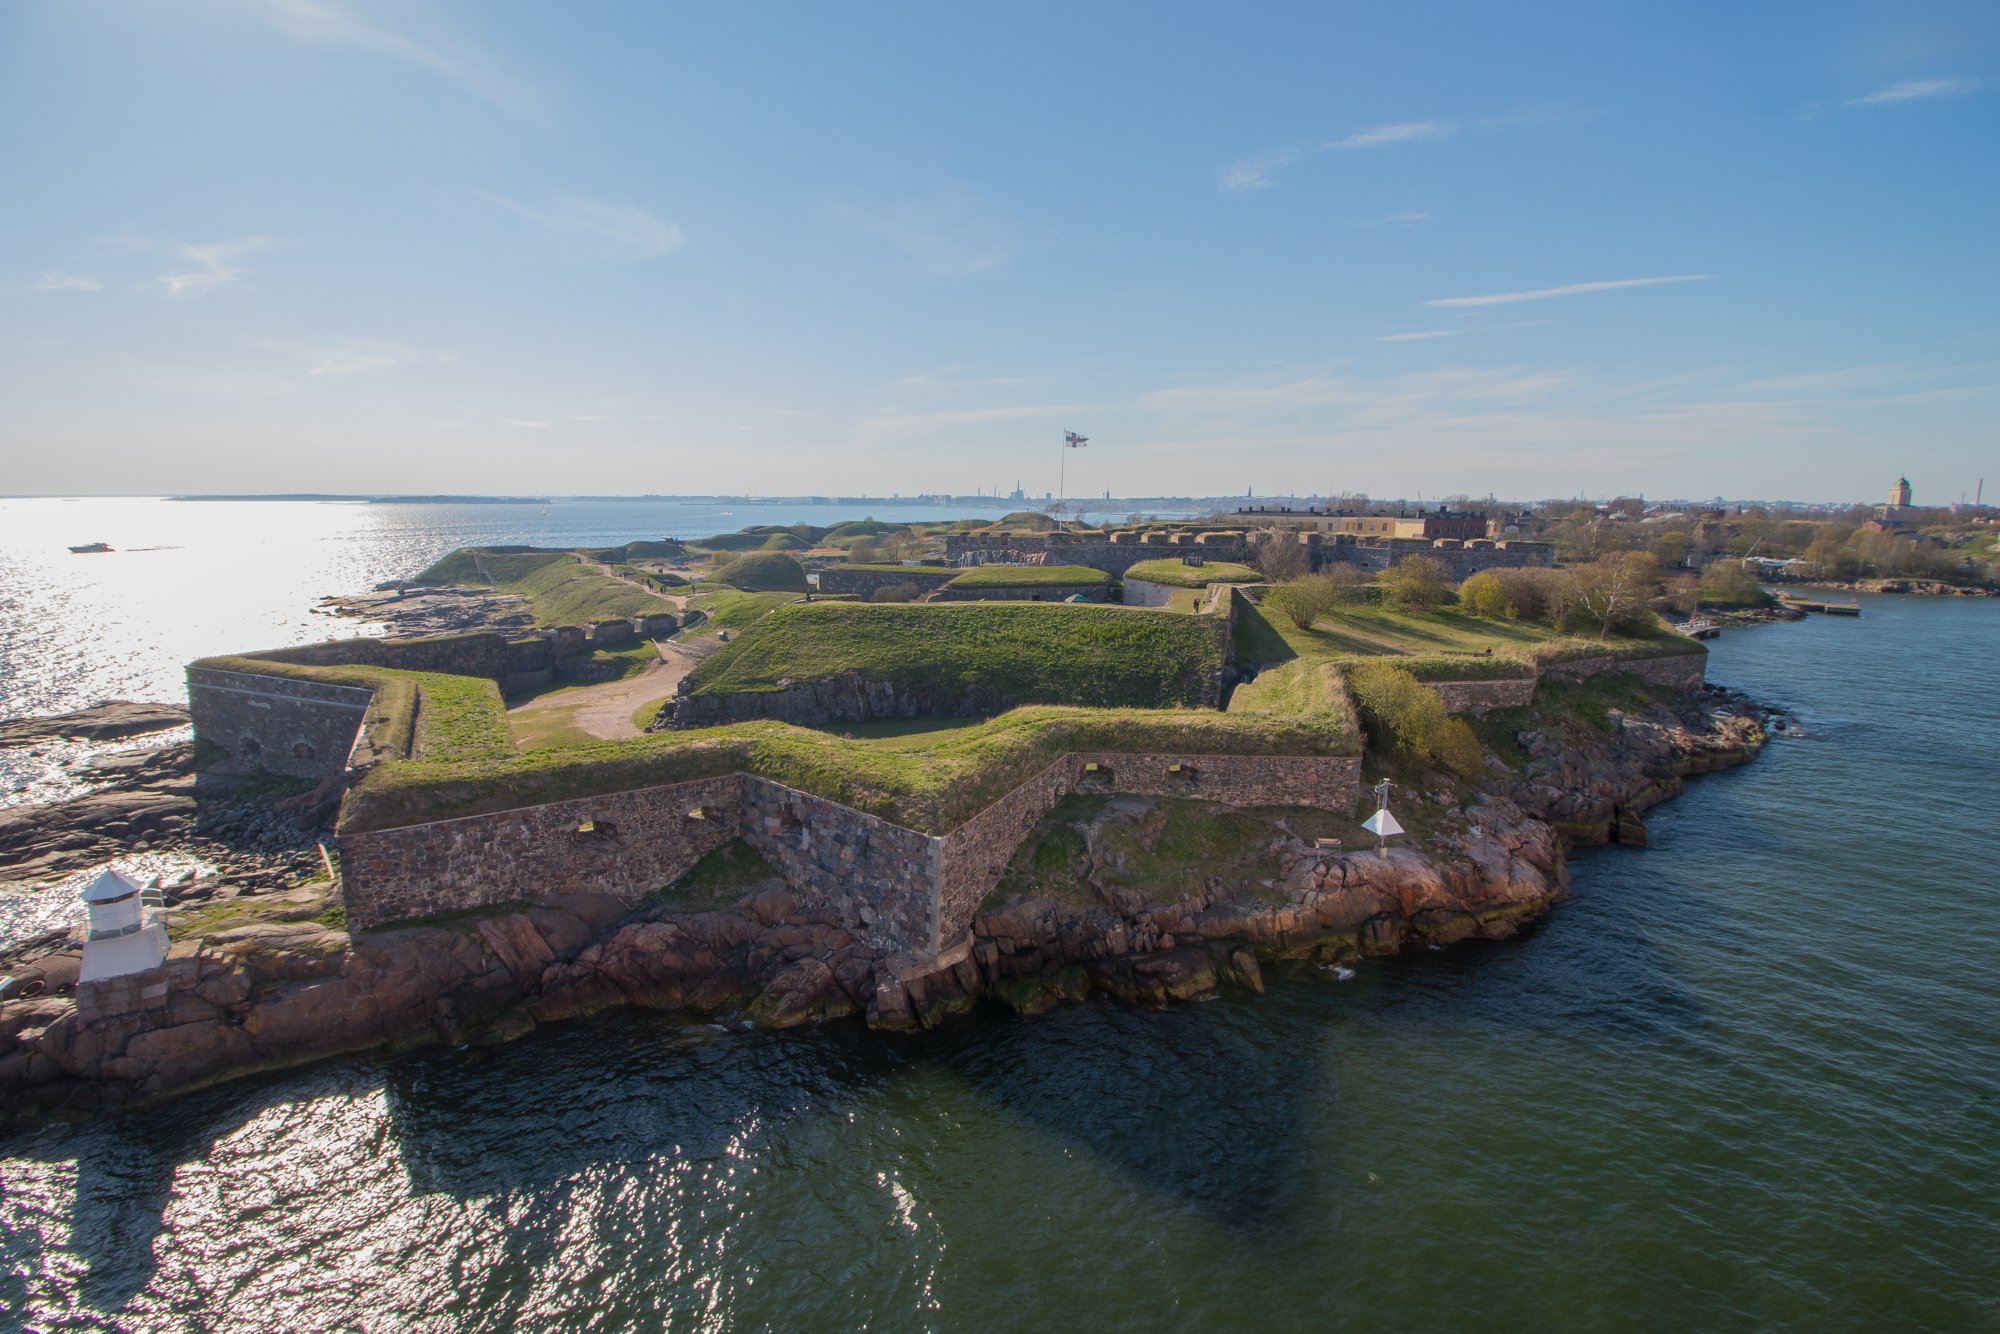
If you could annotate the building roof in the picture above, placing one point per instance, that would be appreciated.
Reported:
(110, 886)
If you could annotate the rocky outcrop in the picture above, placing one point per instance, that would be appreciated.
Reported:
(295, 986)
(101, 722)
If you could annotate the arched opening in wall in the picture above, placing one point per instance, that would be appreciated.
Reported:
(250, 749)
(303, 749)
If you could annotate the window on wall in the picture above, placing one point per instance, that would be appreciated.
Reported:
(303, 749)
(251, 748)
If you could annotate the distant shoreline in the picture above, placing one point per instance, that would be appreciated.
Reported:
(384, 500)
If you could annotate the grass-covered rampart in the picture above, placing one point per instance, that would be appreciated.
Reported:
(1079, 578)
(1177, 574)
(1012, 653)
(560, 589)
(932, 782)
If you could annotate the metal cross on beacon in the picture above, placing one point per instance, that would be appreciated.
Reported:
(1381, 823)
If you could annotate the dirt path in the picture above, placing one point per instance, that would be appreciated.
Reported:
(606, 710)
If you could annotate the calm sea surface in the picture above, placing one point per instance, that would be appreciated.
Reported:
(1748, 1078)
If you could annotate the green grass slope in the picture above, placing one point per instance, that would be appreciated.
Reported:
(1077, 577)
(1174, 573)
(1044, 653)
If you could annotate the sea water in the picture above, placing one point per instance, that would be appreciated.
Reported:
(1746, 1078)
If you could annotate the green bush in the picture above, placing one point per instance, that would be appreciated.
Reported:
(1407, 718)
(1484, 595)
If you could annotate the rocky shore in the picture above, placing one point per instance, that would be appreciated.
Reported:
(279, 981)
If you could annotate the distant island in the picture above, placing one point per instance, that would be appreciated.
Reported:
(384, 500)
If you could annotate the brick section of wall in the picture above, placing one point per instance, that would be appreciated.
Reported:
(877, 875)
(1484, 696)
(280, 724)
(1681, 671)
(643, 840)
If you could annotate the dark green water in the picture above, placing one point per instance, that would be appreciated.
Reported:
(1748, 1078)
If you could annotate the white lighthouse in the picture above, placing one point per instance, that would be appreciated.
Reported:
(127, 934)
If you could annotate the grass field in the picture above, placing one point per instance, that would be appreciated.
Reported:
(560, 589)
(1048, 654)
(732, 609)
(1079, 577)
(1193, 576)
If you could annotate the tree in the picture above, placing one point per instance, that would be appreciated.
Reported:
(1408, 718)
(1726, 583)
(1611, 594)
(1419, 582)
(864, 551)
(1350, 583)
(1484, 595)
(1303, 601)
(1280, 556)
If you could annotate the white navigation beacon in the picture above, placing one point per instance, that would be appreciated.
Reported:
(1381, 823)
(126, 934)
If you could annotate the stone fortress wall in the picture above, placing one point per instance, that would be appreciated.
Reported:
(912, 893)
(307, 729)
(1117, 552)
(908, 892)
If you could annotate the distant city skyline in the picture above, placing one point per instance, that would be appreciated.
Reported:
(334, 245)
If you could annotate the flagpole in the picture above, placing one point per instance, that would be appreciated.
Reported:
(1062, 481)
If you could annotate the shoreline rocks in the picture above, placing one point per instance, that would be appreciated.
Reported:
(294, 986)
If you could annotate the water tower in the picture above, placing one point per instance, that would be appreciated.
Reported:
(126, 933)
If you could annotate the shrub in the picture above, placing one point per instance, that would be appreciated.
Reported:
(1407, 718)
(1303, 601)
(1726, 583)
(1419, 582)
(1483, 595)
(764, 572)
(895, 593)
(1531, 593)
(1350, 583)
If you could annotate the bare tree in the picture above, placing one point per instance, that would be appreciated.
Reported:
(1348, 582)
(1612, 593)
(1279, 556)
(1303, 601)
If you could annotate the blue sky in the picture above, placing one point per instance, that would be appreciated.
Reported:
(1597, 248)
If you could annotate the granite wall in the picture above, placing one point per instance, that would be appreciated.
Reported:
(1484, 696)
(1681, 671)
(625, 843)
(279, 724)
(880, 877)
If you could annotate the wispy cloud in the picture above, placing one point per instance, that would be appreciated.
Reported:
(1257, 172)
(1571, 289)
(1398, 220)
(358, 356)
(1402, 132)
(526, 424)
(889, 423)
(442, 53)
(1419, 335)
(1915, 90)
(1254, 173)
(214, 265)
(65, 282)
(623, 231)
(952, 231)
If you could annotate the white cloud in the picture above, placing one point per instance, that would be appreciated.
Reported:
(1254, 173)
(1402, 132)
(1915, 90)
(525, 423)
(952, 232)
(950, 377)
(327, 23)
(215, 266)
(623, 231)
(1572, 289)
(356, 356)
(1398, 220)
(1418, 335)
(65, 282)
